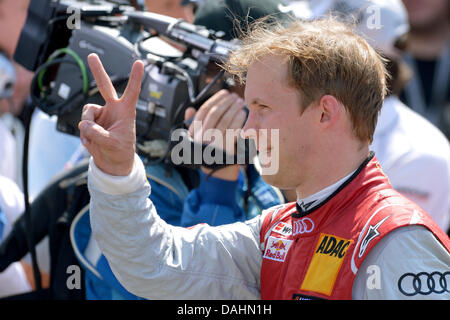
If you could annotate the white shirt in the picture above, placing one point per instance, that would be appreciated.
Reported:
(13, 279)
(11, 145)
(415, 156)
(50, 150)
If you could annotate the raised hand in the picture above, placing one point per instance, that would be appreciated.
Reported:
(109, 131)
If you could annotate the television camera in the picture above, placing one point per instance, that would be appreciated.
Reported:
(59, 35)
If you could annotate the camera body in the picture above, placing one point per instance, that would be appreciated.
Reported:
(162, 93)
(57, 51)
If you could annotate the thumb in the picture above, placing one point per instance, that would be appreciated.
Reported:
(92, 133)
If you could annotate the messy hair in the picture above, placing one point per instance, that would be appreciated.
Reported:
(324, 57)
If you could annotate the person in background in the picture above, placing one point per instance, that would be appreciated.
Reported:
(428, 54)
(13, 280)
(12, 18)
(49, 149)
(414, 153)
(174, 8)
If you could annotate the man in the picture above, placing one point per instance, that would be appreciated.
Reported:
(42, 168)
(13, 280)
(12, 18)
(428, 54)
(45, 159)
(323, 100)
(174, 8)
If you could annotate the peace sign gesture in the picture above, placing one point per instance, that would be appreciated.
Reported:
(109, 131)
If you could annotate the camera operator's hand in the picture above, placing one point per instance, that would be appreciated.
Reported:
(223, 111)
(109, 131)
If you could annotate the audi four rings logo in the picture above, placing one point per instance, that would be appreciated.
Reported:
(424, 283)
(300, 226)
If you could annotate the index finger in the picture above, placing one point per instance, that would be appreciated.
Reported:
(102, 79)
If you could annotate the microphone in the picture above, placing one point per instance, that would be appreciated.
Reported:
(197, 37)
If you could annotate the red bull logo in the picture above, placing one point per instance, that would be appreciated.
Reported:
(277, 249)
(278, 245)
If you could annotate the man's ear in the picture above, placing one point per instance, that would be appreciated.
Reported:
(330, 109)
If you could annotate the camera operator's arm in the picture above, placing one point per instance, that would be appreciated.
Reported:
(149, 257)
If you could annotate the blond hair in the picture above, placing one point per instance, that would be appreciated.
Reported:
(325, 57)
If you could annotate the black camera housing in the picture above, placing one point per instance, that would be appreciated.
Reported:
(118, 34)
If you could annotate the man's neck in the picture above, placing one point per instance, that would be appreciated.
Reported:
(332, 172)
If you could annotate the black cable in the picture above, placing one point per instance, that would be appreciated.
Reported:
(27, 117)
(28, 113)
(195, 100)
(207, 87)
(38, 101)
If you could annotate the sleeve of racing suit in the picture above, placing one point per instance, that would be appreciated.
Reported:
(408, 263)
(155, 260)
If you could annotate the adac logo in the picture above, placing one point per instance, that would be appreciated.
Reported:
(325, 264)
(283, 228)
(333, 247)
(277, 249)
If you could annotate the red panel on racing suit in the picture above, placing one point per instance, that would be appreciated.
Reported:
(317, 253)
